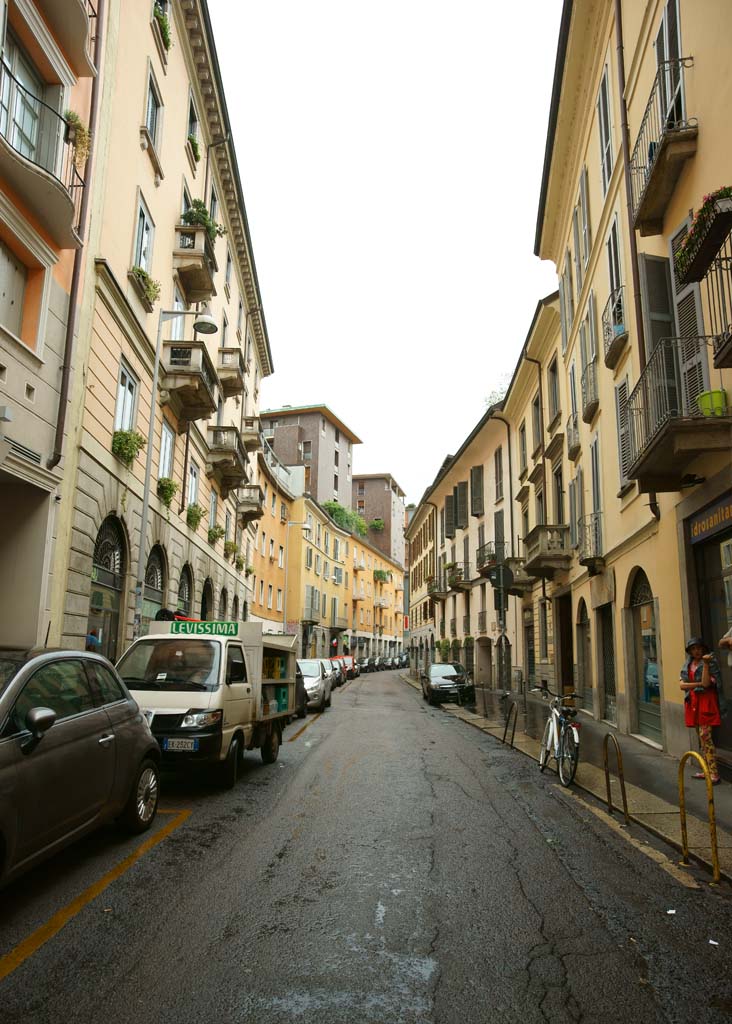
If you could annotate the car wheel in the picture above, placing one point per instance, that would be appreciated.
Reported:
(322, 706)
(271, 746)
(302, 711)
(142, 803)
(329, 700)
(230, 767)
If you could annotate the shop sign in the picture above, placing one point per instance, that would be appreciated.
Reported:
(711, 520)
(205, 628)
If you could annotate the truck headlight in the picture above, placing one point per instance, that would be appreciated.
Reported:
(201, 719)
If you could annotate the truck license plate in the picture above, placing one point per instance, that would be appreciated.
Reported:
(180, 744)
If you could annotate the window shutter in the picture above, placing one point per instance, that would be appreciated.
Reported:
(476, 491)
(656, 293)
(450, 516)
(573, 513)
(621, 406)
(573, 388)
(691, 358)
(461, 505)
(585, 210)
(498, 534)
(577, 254)
(592, 314)
(580, 494)
(563, 314)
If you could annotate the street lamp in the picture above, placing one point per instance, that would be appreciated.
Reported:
(306, 531)
(204, 323)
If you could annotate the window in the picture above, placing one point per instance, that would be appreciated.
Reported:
(578, 266)
(279, 600)
(461, 505)
(585, 217)
(337, 436)
(167, 445)
(573, 389)
(227, 525)
(573, 513)
(322, 425)
(224, 330)
(621, 409)
(476, 491)
(603, 118)
(335, 459)
(308, 558)
(124, 416)
(558, 496)
(524, 521)
(273, 503)
(108, 685)
(192, 121)
(281, 557)
(192, 483)
(523, 456)
(61, 686)
(239, 317)
(536, 421)
(553, 381)
(317, 565)
(563, 314)
(568, 289)
(540, 511)
(213, 508)
(14, 278)
(153, 112)
(307, 451)
(326, 542)
(271, 548)
(657, 299)
(335, 485)
(213, 206)
(613, 256)
(543, 629)
(264, 543)
(269, 595)
(450, 515)
(261, 591)
(229, 265)
(336, 549)
(143, 238)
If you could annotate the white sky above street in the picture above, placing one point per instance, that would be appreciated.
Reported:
(391, 157)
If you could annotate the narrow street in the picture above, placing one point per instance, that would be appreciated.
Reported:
(395, 865)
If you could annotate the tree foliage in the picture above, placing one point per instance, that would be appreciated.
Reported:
(346, 518)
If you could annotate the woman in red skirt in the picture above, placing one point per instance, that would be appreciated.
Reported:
(700, 677)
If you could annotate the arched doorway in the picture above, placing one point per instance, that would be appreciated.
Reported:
(583, 682)
(235, 608)
(185, 591)
(109, 567)
(223, 603)
(503, 657)
(645, 658)
(207, 600)
(153, 598)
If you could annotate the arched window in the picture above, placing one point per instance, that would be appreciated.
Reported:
(223, 603)
(645, 658)
(583, 682)
(235, 608)
(207, 600)
(503, 654)
(185, 591)
(108, 576)
(154, 585)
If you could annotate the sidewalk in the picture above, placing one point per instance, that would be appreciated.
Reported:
(651, 784)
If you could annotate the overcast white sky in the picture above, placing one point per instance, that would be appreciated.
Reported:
(391, 157)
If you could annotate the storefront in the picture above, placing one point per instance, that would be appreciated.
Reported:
(710, 536)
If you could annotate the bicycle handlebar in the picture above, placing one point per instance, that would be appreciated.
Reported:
(544, 690)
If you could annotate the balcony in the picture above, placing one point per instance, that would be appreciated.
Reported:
(614, 327)
(231, 371)
(188, 381)
(674, 416)
(338, 623)
(718, 281)
(381, 602)
(359, 566)
(437, 587)
(226, 461)
(590, 543)
(590, 398)
(250, 433)
(666, 140)
(458, 576)
(466, 625)
(194, 261)
(453, 627)
(547, 550)
(522, 582)
(482, 622)
(399, 609)
(359, 595)
(398, 585)
(489, 555)
(311, 612)
(73, 25)
(249, 504)
(573, 437)
(37, 161)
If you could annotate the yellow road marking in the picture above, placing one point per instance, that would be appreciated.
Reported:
(12, 960)
(306, 726)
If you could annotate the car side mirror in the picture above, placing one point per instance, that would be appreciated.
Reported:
(38, 721)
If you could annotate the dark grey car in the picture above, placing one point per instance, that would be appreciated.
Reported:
(75, 752)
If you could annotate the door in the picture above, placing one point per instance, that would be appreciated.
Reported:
(668, 52)
(566, 652)
(607, 665)
(645, 659)
(583, 682)
(64, 782)
(714, 571)
(529, 653)
(238, 693)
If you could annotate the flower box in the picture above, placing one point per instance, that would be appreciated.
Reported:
(708, 231)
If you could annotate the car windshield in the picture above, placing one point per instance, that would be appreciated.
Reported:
(310, 667)
(176, 664)
(452, 668)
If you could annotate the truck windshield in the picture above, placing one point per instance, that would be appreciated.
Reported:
(175, 664)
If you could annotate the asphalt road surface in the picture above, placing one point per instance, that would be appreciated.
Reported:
(395, 865)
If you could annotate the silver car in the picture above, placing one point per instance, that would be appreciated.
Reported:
(75, 752)
(318, 683)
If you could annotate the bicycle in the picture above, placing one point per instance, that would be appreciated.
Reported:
(561, 735)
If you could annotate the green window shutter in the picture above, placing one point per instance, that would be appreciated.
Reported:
(461, 505)
(476, 491)
(621, 408)
(450, 516)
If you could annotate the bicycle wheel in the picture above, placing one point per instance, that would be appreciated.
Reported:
(568, 756)
(544, 748)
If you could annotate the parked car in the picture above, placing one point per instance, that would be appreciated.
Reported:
(448, 681)
(387, 662)
(340, 671)
(378, 663)
(330, 671)
(364, 664)
(351, 666)
(318, 682)
(76, 752)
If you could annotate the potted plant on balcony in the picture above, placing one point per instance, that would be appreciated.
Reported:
(195, 148)
(78, 136)
(239, 563)
(215, 533)
(377, 525)
(230, 548)
(126, 445)
(167, 489)
(248, 571)
(709, 228)
(197, 214)
(194, 515)
(148, 289)
(163, 24)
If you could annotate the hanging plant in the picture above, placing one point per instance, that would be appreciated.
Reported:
(197, 214)
(167, 489)
(707, 231)
(194, 515)
(249, 570)
(239, 563)
(195, 148)
(126, 445)
(215, 533)
(149, 287)
(377, 525)
(230, 548)
(164, 25)
(78, 136)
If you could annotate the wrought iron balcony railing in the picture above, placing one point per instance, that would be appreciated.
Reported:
(654, 166)
(614, 326)
(573, 436)
(718, 282)
(490, 554)
(458, 576)
(590, 398)
(590, 542)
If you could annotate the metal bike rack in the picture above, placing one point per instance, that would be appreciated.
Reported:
(716, 876)
(621, 775)
(512, 710)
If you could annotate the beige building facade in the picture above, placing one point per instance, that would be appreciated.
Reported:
(168, 232)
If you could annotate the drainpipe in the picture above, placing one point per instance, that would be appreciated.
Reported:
(625, 133)
(58, 443)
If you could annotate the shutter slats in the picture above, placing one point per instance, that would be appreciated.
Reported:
(449, 515)
(461, 505)
(477, 505)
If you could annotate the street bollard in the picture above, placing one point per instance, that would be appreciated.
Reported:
(621, 775)
(512, 709)
(710, 810)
